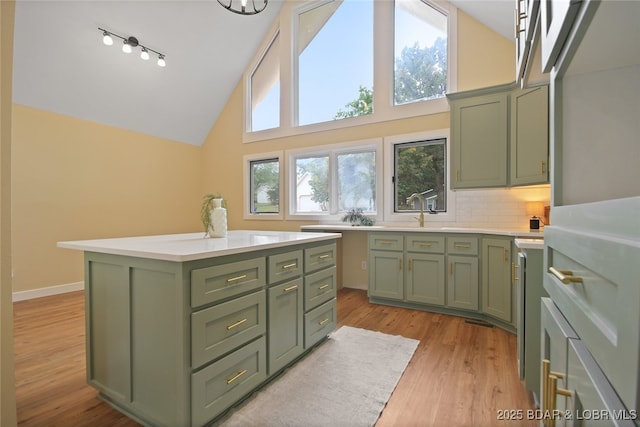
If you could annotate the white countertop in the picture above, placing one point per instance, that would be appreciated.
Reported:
(530, 243)
(193, 246)
(426, 229)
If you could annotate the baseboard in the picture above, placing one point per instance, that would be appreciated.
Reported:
(45, 292)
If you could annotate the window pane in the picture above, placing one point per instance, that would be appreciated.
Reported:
(420, 52)
(265, 90)
(312, 184)
(357, 181)
(265, 186)
(335, 61)
(420, 167)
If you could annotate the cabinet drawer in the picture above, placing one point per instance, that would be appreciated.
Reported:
(221, 384)
(462, 245)
(319, 257)
(221, 282)
(285, 266)
(219, 329)
(319, 322)
(319, 287)
(595, 285)
(425, 243)
(386, 242)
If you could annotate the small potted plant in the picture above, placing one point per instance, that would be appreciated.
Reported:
(356, 217)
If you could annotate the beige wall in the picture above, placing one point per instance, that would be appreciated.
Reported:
(7, 390)
(74, 179)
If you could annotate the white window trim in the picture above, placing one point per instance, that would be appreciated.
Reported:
(384, 108)
(246, 204)
(390, 216)
(332, 150)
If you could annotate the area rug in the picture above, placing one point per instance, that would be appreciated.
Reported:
(346, 381)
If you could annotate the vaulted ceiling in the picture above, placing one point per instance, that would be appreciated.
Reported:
(61, 64)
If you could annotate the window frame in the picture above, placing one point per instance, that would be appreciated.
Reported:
(383, 74)
(373, 144)
(390, 215)
(248, 193)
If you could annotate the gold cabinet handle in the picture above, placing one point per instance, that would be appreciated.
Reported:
(235, 325)
(385, 242)
(325, 256)
(425, 244)
(323, 321)
(288, 266)
(550, 390)
(235, 279)
(236, 376)
(514, 268)
(462, 246)
(542, 168)
(290, 288)
(565, 276)
(322, 287)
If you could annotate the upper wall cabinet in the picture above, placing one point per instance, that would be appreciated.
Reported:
(499, 137)
(529, 149)
(556, 20)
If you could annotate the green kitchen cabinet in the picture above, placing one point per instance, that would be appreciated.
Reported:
(556, 334)
(286, 324)
(425, 278)
(529, 142)
(462, 282)
(386, 274)
(497, 284)
(407, 267)
(177, 343)
(479, 133)
(499, 137)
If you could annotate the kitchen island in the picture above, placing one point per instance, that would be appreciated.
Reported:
(181, 327)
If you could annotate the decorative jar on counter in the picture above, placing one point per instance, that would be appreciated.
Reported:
(218, 216)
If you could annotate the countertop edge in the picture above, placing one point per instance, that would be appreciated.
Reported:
(126, 246)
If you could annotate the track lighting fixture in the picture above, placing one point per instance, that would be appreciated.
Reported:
(240, 6)
(129, 43)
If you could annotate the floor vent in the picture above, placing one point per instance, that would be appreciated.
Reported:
(479, 323)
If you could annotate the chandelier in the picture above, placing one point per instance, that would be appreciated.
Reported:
(240, 6)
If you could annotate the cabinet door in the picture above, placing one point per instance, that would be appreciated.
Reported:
(479, 141)
(286, 317)
(462, 283)
(386, 274)
(593, 402)
(496, 278)
(425, 278)
(530, 136)
(556, 333)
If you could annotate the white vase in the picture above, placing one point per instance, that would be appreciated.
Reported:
(218, 218)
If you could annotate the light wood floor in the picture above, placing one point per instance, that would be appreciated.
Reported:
(460, 375)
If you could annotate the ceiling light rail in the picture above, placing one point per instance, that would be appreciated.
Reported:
(240, 6)
(129, 43)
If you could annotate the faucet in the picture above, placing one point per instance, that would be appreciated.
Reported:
(419, 197)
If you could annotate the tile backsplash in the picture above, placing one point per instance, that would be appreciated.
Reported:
(498, 208)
